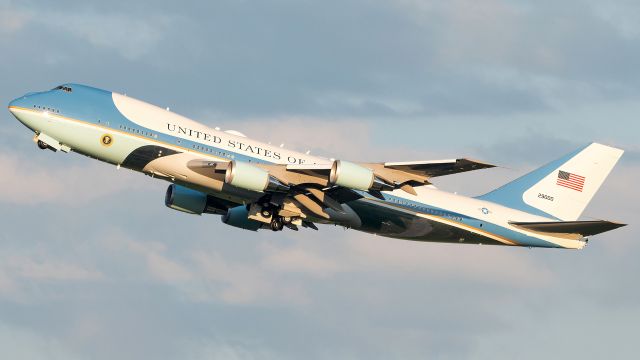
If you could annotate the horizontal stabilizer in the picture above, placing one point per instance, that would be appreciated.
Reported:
(584, 228)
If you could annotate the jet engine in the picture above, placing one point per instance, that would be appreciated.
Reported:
(353, 176)
(251, 177)
(192, 201)
(238, 217)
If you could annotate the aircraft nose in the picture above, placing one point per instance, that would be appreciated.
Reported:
(16, 103)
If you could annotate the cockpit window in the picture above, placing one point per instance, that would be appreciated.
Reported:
(63, 88)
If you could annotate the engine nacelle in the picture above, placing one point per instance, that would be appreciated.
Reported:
(238, 217)
(186, 200)
(353, 176)
(191, 201)
(251, 177)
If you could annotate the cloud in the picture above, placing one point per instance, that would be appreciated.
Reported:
(620, 15)
(131, 36)
(372, 105)
(219, 350)
(125, 33)
(468, 263)
(21, 276)
(32, 183)
(358, 253)
(48, 270)
(471, 31)
(298, 260)
(20, 343)
(204, 275)
(7, 285)
(93, 266)
(158, 265)
(275, 276)
(12, 20)
(242, 283)
(165, 269)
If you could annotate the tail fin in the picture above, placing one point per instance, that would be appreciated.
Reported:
(563, 188)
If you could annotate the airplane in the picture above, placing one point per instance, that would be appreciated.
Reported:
(254, 185)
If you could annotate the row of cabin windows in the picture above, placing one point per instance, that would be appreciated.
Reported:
(138, 131)
(155, 136)
(211, 151)
(427, 209)
(46, 109)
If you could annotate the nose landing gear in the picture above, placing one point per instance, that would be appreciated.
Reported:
(45, 141)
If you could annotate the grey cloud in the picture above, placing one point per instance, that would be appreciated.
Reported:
(131, 37)
(505, 82)
(290, 57)
(80, 185)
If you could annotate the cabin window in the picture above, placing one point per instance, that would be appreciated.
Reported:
(63, 88)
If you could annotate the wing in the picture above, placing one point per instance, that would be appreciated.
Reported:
(302, 190)
(405, 175)
(433, 168)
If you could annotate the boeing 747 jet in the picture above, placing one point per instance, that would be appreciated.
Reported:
(254, 185)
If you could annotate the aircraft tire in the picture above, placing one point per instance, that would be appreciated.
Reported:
(277, 224)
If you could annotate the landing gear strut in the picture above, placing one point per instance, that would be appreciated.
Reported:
(267, 211)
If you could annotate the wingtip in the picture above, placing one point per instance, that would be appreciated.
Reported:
(478, 163)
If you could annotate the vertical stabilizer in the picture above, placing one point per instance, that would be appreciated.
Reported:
(563, 188)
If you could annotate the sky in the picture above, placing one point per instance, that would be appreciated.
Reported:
(94, 266)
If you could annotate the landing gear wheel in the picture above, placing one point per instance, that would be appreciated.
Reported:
(42, 145)
(287, 220)
(277, 224)
(266, 212)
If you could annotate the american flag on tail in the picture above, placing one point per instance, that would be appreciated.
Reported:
(571, 181)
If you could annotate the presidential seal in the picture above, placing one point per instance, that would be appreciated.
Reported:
(106, 140)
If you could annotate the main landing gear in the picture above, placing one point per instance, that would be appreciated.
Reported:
(42, 145)
(277, 222)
